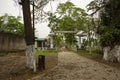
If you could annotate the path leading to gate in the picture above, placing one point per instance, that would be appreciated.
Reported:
(74, 67)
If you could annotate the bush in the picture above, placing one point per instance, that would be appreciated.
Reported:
(110, 37)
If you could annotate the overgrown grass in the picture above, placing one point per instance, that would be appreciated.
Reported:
(47, 52)
(87, 54)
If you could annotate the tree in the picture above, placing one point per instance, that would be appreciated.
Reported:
(58, 41)
(95, 6)
(29, 37)
(109, 29)
(40, 14)
(67, 18)
(13, 25)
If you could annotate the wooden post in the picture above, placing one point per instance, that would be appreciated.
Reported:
(41, 62)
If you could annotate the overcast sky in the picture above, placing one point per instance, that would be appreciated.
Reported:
(9, 6)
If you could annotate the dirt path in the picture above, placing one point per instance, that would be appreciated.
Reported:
(74, 67)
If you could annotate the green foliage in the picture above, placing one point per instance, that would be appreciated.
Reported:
(110, 20)
(53, 21)
(70, 39)
(68, 17)
(13, 25)
(110, 38)
(65, 8)
(58, 41)
(110, 15)
(109, 27)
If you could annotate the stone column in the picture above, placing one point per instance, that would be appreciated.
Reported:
(42, 46)
(79, 45)
(51, 42)
(80, 34)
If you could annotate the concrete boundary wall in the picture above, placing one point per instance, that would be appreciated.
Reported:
(11, 42)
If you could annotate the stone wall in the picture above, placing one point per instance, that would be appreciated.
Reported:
(11, 42)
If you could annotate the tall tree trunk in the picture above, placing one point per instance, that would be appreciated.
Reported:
(30, 50)
(89, 39)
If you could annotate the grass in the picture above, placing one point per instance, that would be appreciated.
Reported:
(22, 73)
(87, 54)
(47, 52)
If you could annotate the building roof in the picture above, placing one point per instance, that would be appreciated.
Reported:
(81, 33)
(40, 39)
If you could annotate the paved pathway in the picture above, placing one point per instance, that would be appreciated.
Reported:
(74, 67)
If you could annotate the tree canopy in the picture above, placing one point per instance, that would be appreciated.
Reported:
(109, 27)
(68, 17)
(13, 25)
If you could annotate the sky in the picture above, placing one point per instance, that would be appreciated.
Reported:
(42, 30)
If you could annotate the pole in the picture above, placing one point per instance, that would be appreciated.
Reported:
(89, 41)
(33, 22)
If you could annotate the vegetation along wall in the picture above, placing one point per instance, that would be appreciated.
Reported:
(11, 42)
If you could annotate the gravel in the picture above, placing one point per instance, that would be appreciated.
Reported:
(74, 67)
